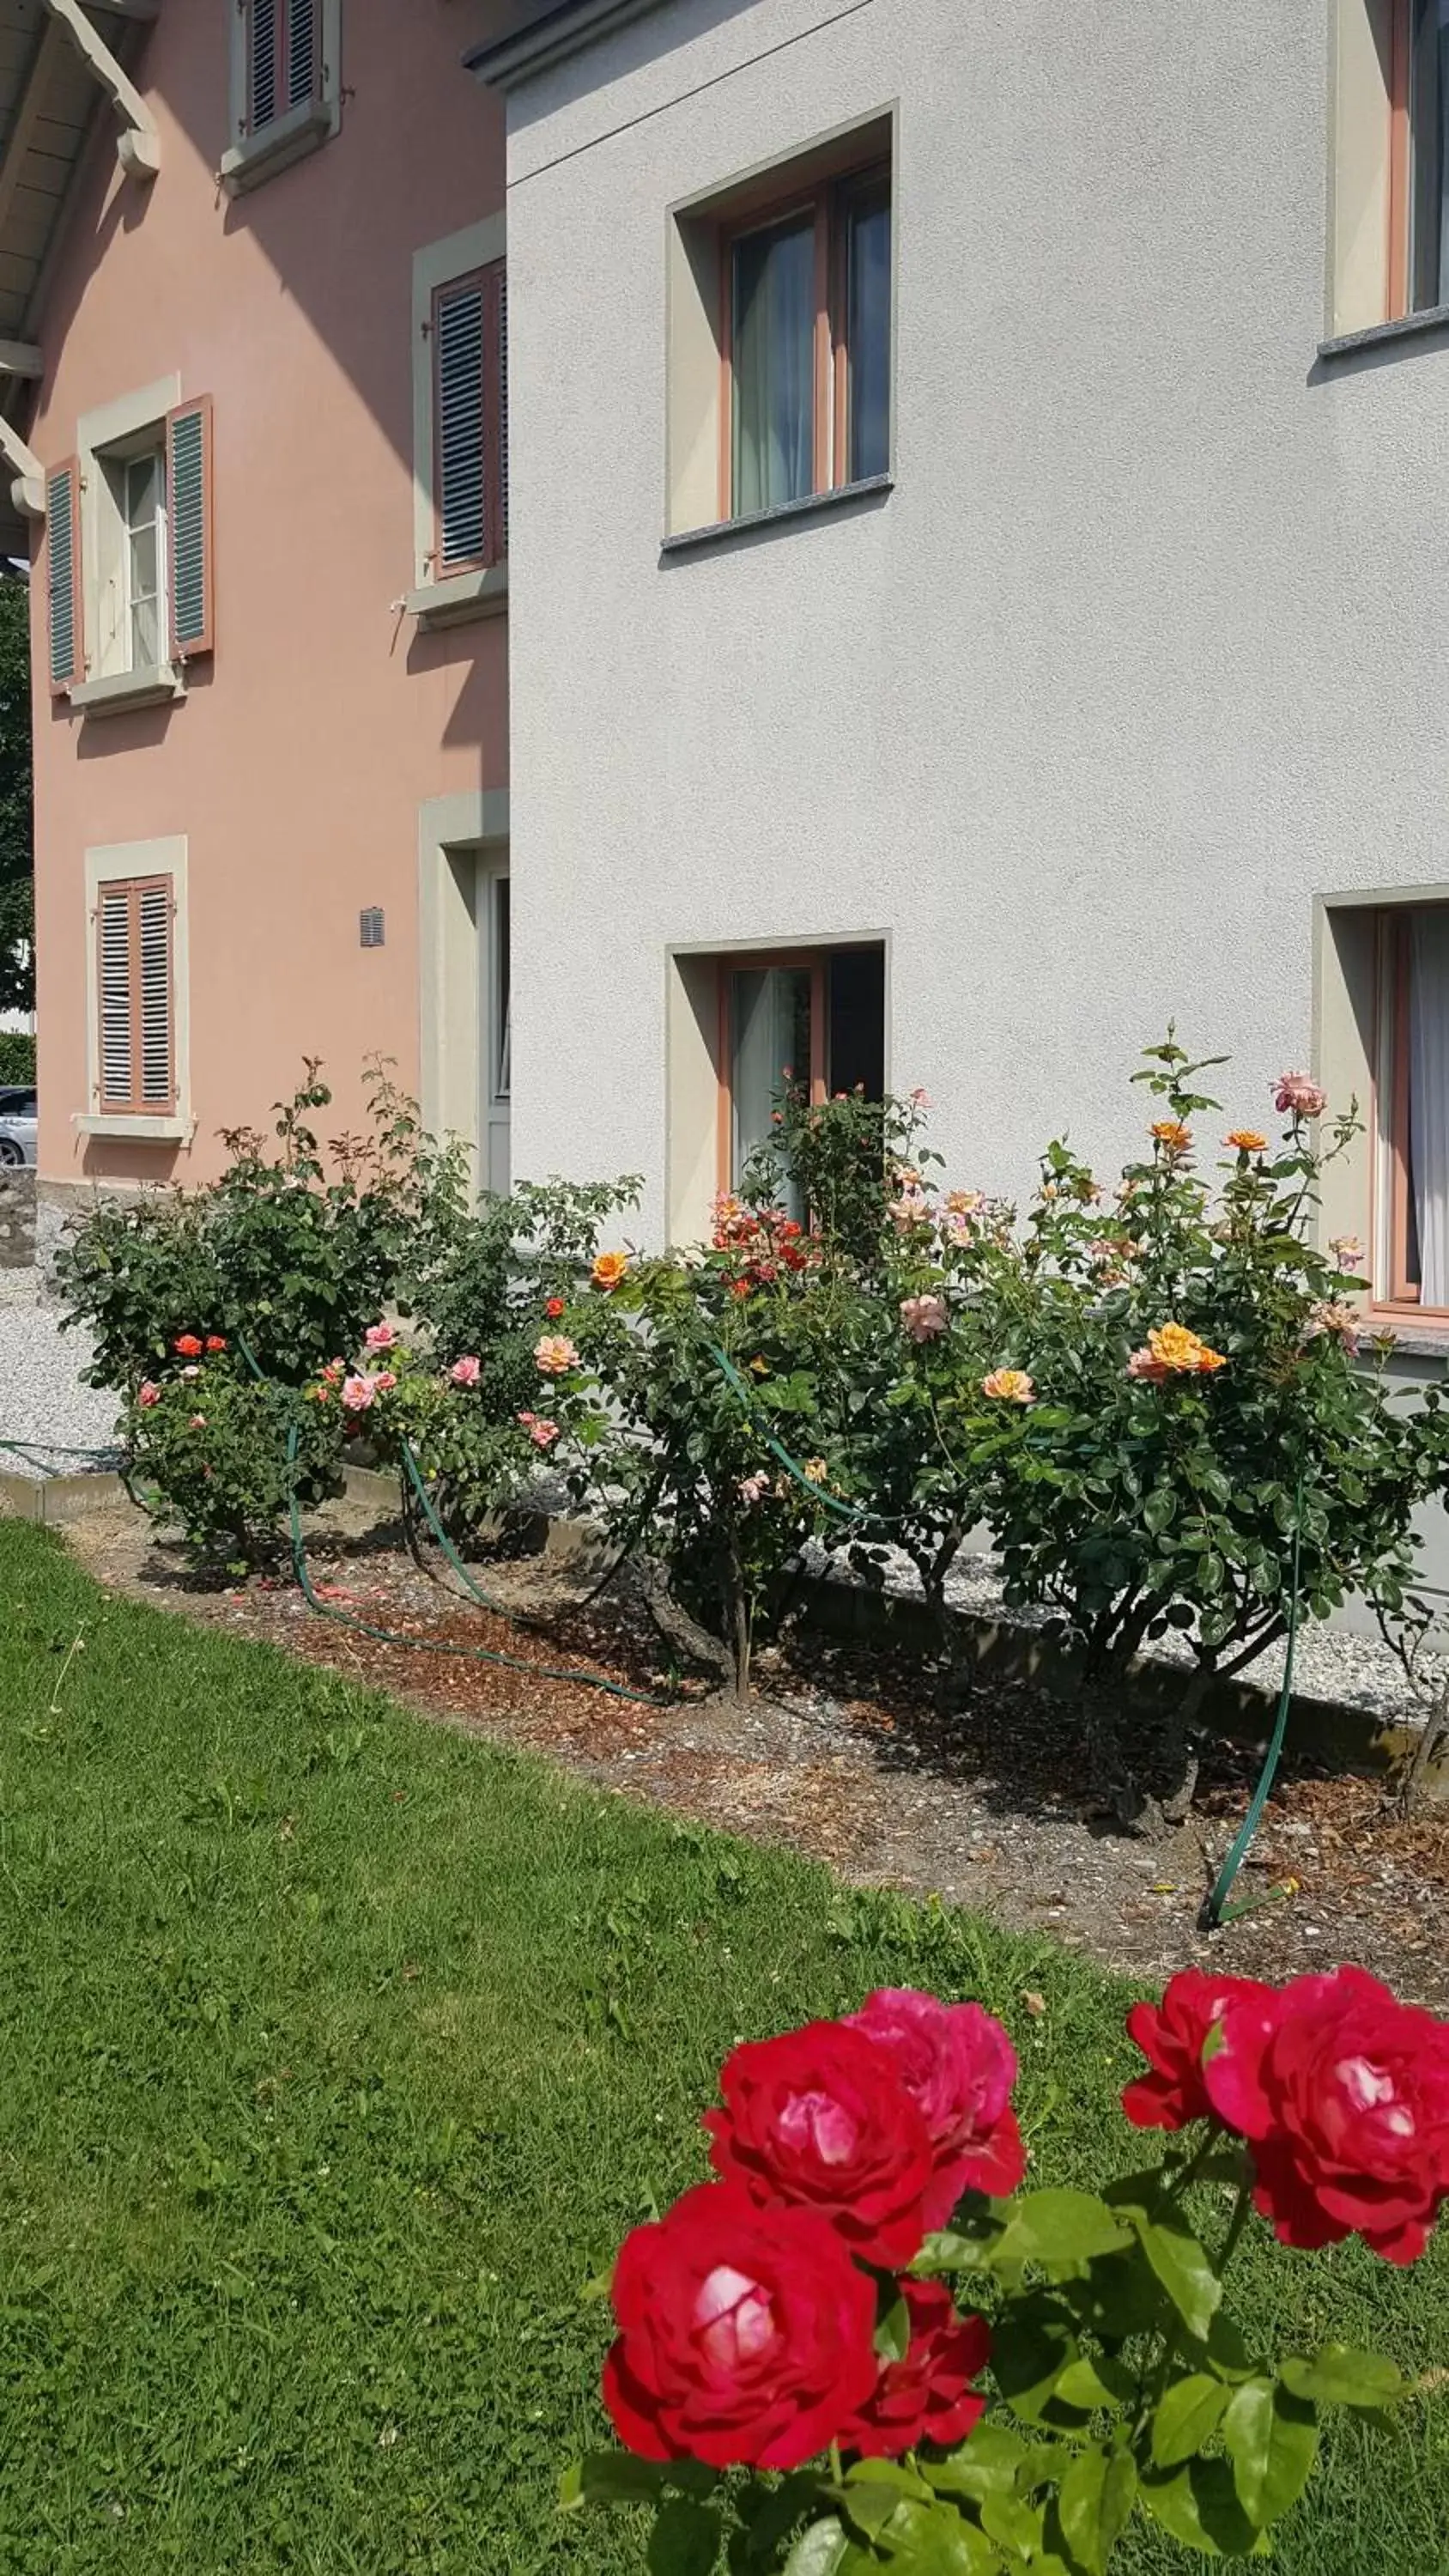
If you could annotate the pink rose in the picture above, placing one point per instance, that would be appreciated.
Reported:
(1144, 1363)
(924, 1317)
(197, 1422)
(921, 1099)
(466, 1372)
(542, 1432)
(147, 1394)
(958, 2066)
(1299, 1094)
(357, 1393)
(820, 2117)
(746, 2335)
(379, 1337)
(383, 1382)
(753, 1489)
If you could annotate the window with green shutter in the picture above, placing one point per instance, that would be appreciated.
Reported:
(470, 422)
(63, 575)
(189, 550)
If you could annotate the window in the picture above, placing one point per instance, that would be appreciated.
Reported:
(806, 1018)
(129, 551)
(779, 352)
(286, 90)
(135, 1016)
(138, 580)
(470, 417)
(806, 303)
(1411, 1265)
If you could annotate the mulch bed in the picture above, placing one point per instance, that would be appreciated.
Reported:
(846, 1755)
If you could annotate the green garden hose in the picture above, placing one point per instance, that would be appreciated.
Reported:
(1215, 1910)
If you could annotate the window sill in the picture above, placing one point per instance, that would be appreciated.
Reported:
(465, 595)
(124, 690)
(1378, 335)
(141, 1131)
(287, 139)
(721, 531)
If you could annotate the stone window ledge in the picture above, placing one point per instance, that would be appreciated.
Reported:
(287, 139)
(140, 1131)
(464, 596)
(719, 532)
(122, 691)
(1411, 326)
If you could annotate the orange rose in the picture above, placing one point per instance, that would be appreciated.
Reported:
(1245, 1140)
(1174, 1348)
(609, 1269)
(1172, 1136)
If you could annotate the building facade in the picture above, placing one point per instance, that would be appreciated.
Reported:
(976, 593)
(255, 414)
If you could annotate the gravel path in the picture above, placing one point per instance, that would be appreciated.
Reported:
(41, 1396)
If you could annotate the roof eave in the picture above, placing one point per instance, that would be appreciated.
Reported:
(566, 29)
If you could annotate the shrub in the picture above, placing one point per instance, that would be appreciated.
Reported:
(286, 1253)
(17, 1056)
(1193, 1421)
(671, 1379)
(797, 2388)
(214, 1446)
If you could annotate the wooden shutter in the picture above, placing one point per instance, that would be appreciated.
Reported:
(284, 58)
(134, 963)
(63, 575)
(469, 389)
(188, 503)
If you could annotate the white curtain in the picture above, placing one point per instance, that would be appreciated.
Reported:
(770, 1016)
(1429, 1100)
(774, 365)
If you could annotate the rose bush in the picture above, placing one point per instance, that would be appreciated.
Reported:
(794, 2315)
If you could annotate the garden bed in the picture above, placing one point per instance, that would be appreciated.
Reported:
(845, 1755)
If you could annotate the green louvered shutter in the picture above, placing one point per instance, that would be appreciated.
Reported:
(188, 492)
(63, 569)
(470, 403)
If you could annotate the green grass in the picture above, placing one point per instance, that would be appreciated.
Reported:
(338, 2052)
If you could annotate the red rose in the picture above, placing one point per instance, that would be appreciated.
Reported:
(554, 1309)
(745, 2334)
(1344, 2095)
(928, 2396)
(216, 1341)
(821, 2117)
(188, 1346)
(958, 2066)
(1172, 2036)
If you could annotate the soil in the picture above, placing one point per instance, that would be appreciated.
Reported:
(845, 1753)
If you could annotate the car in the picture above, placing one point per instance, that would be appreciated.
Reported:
(17, 1127)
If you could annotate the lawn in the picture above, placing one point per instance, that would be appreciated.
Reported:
(338, 2052)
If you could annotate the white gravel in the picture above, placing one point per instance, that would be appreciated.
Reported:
(1330, 1662)
(42, 1400)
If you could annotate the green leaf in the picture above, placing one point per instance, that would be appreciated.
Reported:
(1095, 2500)
(935, 2540)
(611, 2477)
(1339, 2376)
(820, 2551)
(1060, 2227)
(1012, 2523)
(1029, 2352)
(1094, 2381)
(1272, 2441)
(1183, 2269)
(986, 2464)
(892, 2327)
(1186, 2414)
(684, 2541)
(1199, 2505)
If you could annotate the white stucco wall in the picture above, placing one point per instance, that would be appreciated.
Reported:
(1148, 645)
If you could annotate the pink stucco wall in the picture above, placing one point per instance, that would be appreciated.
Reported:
(298, 759)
